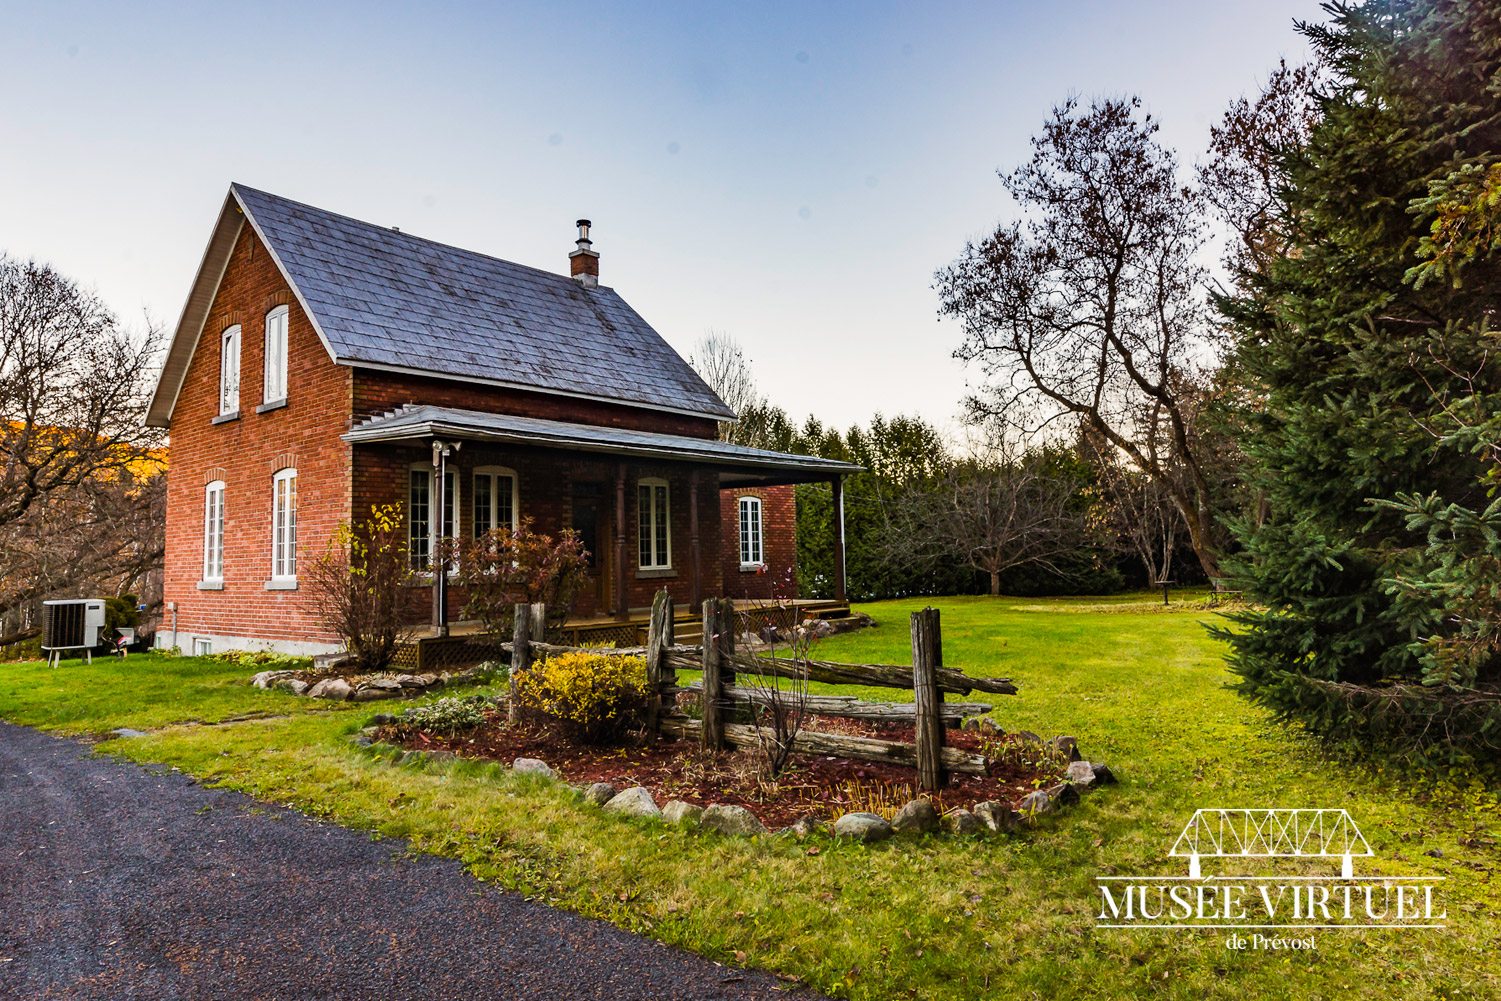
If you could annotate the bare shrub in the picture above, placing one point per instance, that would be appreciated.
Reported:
(357, 587)
(508, 567)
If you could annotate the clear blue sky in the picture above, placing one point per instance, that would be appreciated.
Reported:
(790, 173)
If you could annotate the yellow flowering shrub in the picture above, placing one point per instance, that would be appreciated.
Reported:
(594, 697)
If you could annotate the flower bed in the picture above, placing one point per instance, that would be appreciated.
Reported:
(824, 787)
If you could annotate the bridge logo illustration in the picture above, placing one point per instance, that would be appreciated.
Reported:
(1271, 834)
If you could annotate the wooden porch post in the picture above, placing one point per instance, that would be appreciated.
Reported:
(840, 593)
(695, 554)
(621, 612)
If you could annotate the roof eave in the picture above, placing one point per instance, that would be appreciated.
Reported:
(417, 431)
(195, 310)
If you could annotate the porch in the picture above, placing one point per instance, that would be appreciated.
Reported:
(466, 644)
(622, 490)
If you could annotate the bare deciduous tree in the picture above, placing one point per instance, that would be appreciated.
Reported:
(1005, 508)
(719, 358)
(1094, 306)
(81, 479)
(1245, 169)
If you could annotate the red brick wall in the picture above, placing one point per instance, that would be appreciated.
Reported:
(245, 453)
(778, 543)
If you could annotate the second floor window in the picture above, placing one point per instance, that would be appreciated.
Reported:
(229, 370)
(213, 531)
(420, 507)
(655, 524)
(284, 526)
(750, 531)
(276, 355)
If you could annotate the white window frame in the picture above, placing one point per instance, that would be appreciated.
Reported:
(229, 370)
(494, 474)
(274, 383)
(213, 532)
(650, 527)
(451, 495)
(752, 533)
(284, 526)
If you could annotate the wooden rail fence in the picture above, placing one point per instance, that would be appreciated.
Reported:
(928, 679)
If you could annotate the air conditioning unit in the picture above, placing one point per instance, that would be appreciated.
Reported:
(71, 624)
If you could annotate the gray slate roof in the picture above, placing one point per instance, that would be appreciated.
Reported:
(422, 423)
(387, 299)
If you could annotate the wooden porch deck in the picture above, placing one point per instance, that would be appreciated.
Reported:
(467, 645)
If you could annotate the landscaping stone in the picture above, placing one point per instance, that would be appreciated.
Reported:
(1029, 736)
(267, 679)
(634, 802)
(324, 661)
(731, 820)
(991, 728)
(1103, 776)
(533, 766)
(1081, 773)
(599, 793)
(806, 827)
(372, 693)
(1068, 746)
(441, 756)
(410, 681)
(295, 686)
(865, 827)
(331, 688)
(970, 723)
(676, 812)
(381, 719)
(917, 817)
(963, 822)
(1035, 802)
(1064, 794)
(998, 817)
(361, 740)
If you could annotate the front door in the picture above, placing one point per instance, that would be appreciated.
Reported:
(590, 523)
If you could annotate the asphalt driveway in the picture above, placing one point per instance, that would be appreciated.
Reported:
(122, 882)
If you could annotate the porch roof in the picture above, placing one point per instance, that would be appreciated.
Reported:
(736, 463)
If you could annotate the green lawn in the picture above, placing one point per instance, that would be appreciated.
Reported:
(1143, 690)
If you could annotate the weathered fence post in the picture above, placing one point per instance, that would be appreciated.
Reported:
(531, 623)
(659, 640)
(927, 657)
(719, 643)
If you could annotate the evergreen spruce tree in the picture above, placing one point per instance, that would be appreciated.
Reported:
(1369, 348)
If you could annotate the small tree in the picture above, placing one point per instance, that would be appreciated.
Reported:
(507, 567)
(357, 587)
(1007, 508)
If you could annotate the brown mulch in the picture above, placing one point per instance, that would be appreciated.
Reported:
(822, 786)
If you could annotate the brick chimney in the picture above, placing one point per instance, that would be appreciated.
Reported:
(583, 263)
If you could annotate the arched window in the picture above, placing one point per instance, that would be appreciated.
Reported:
(420, 504)
(750, 532)
(213, 532)
(275, 386)
(655, 523)
(284, 527)
(496, 502)
(229, 370)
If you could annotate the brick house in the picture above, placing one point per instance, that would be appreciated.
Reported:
(323, 365)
